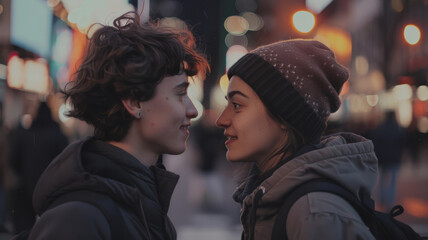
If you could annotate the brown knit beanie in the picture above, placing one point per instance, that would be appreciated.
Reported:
(300, 80)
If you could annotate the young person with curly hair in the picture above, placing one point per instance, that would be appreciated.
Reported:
(132, 88)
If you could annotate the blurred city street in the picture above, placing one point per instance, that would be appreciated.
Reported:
(382, 43)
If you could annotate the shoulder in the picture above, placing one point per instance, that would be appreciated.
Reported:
(325, 216)
(72, 220)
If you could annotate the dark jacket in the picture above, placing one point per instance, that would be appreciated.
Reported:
(142, 194)
(345, 158)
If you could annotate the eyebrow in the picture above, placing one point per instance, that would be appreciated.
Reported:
(182, 85)
(233, 93)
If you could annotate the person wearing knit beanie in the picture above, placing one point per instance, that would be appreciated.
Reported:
(300, 75)
(279, 99)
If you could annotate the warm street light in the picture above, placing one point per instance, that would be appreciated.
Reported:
(412, 34)
(304, 21)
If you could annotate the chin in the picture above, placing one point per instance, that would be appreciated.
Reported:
(233, 158)
(177, 150)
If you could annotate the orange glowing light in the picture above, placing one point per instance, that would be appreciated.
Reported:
(416, 207)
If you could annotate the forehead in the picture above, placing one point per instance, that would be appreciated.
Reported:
(172, 81)
(237, 84)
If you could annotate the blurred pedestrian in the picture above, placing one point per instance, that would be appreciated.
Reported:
(33, 145)
(279, 99)
(132, 87)
(389, 142)
(414, 141)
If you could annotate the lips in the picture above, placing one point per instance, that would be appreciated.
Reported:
(230, 139)
(185, 129)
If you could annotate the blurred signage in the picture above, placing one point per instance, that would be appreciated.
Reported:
(31, 24)
(28, 74)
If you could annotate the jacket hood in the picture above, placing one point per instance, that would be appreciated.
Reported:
(346, 158)
(94, 165)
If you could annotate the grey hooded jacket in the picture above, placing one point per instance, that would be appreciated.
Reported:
(345, 158)
(142, 194)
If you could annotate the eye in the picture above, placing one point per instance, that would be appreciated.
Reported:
(184, 93)
(236, 106)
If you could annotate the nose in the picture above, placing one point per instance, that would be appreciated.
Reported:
(223, 121)
(191, 111)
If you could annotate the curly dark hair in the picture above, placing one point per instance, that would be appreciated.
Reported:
(127, 61)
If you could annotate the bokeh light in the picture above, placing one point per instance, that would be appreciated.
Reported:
(231, 40)
(303, 21)
(36, 76)
(397, 5)
(338, 40)
(236, 25)
(387, 101)
(372, 100)
(317, 6)
(422, 93)
(361, 65)
(423, 124)
(195, 89)
(15, 76)
(217, 100)
(63, 109)
(412, 34)
(255, 22)
(198, 105)
(84, 13)
(404, 112)
(233, 54)
(402, 92)
(224, 83)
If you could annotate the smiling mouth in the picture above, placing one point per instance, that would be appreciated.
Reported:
(185, 129)
(230, 139)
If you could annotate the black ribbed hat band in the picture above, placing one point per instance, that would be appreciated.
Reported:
(279, 95)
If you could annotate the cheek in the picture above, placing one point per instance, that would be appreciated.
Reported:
(252, 127)
(165, 110)
(260, 132)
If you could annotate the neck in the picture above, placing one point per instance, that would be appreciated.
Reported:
(132, 144)
(268, 164)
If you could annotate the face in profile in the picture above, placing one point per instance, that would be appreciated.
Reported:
(252, 134)
(164, 126)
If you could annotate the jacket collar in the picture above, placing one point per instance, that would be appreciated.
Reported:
(344, 157)
(255, 178)
(161, 181)
(109, 169)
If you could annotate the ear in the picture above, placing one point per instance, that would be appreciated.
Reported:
(134, 107)
(283, 127)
